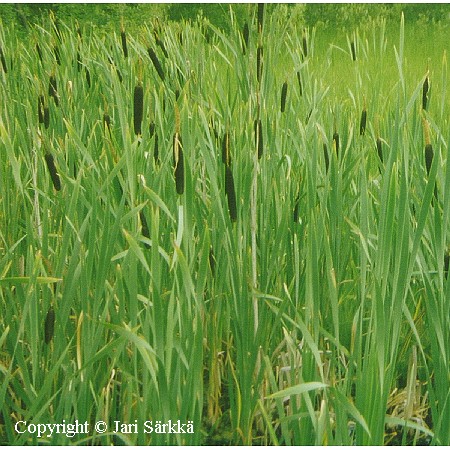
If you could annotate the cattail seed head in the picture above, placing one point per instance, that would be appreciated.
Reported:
(336, 142)
(46, 117)
(156, 150)
(362, 123)
(326, 157)
(259, 138)
(379, 149)
(283, 96)
(161, 45)
(138, 104)
(53, 90)
(428, 157)
(299, 78)
(259, 56)
(425, 89)
(144, 227)
(230, 193)
(88, 77)
(151, 129)
(123, 37)
(107, 121)
(49, 326)
(260, 17)
(245, 36)
(446, 263)
(53, 172)
(178, 163)
(353, 49)
(3, 60)
(304, 46)
(156, 63)
(296, 208)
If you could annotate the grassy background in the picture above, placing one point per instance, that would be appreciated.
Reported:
(319, 316)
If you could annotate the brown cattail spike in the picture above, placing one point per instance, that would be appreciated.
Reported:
(296, 207)
(230, 193)
(283, 96)
(259, 137)
(53, 90)
(336, 142)
(429, 157)
(304, 45)
(353, 49)
(446, 263)
(156, 63)
(379, 150)
(259, 56)
(178, 163)
(53, 172)
(326, 157)
(138, 104)
(123, 37)
(49, 326)
(425, 89)
(88, 77)
(362, 123)
(260, 17)
(299, 78)
(245, 36)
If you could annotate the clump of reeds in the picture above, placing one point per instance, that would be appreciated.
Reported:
(138, 105)
(53, 89)
(178, 160)
(53, 171)
(156, 63)
(283, 96)
(245, 37)
(425, 89)
(259, 138)
(49, 326)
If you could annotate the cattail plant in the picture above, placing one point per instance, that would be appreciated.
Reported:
(226, 156)
(144, 226)
(123, 38)
(156, 63)
(138, 104)
(336, 142)
(49, 326)
(152, 131)
(425, 89)
(299, 78)
(283, 96)
(362, 123)
(178, 160)
(53, 90)
(380, 149)
(260, 17)
(57, 55)
(326, 157)
(428, 147)
(245, 37)
(39, 51)
(353, 50)
(88, 77)
(161, 45)
(259, 138)
(230, 193)
(3, 60)
(304, 45)
(53, 172)
(259, 56)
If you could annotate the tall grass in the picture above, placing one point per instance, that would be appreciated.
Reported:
(290, 292)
